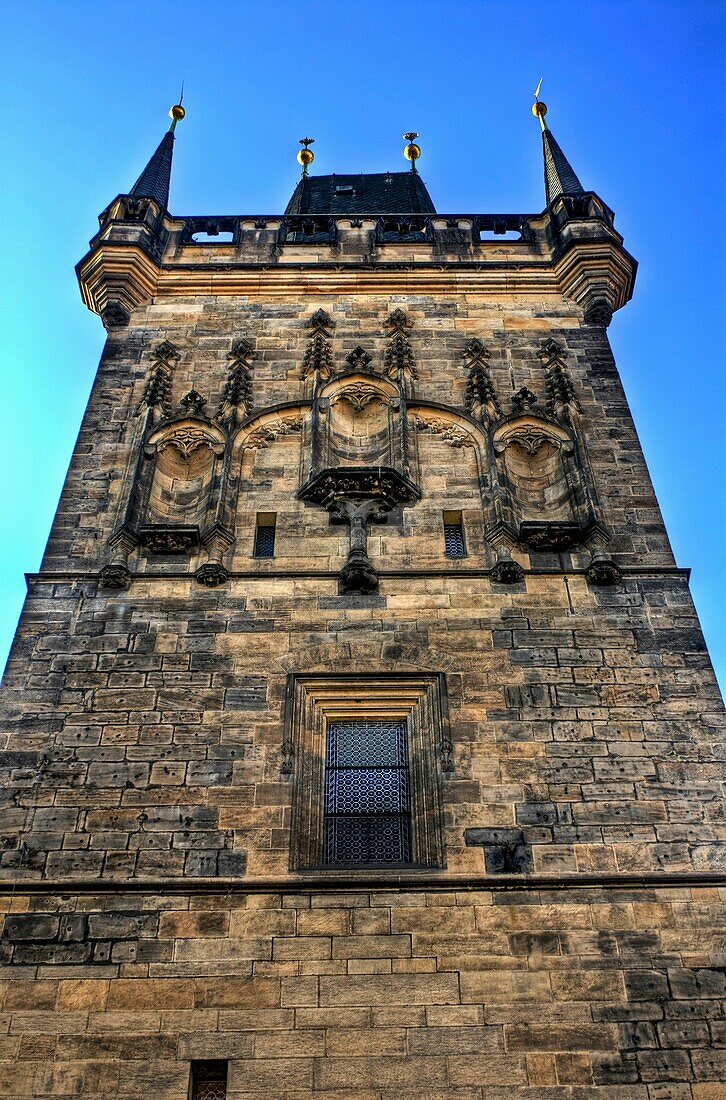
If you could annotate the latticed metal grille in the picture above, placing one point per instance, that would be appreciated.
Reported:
(209, 1080)
(210, 1090)
(454, 540)
(367, 805)
(265, 541)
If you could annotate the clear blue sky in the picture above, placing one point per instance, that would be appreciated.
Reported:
(636, 94)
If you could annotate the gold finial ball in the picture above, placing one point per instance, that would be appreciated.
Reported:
(539, 109)
(177, 112)
(305, 157)
(412, 151)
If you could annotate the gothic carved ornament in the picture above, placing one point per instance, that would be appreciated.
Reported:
(186, 437)
(270, 430)
(531, 433)
(481, 400)
(452, 433)
(359, 394)
(237, 394)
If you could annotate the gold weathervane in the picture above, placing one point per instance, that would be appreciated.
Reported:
(539, 109)
(306, 156)
(177, 112)
(412, 152)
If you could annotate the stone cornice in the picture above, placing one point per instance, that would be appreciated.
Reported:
(581, 258)
(333, 881)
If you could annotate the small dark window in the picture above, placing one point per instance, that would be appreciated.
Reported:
(209, 1080)
(367, 806)
(344, 190)
(265, 535)
(454, 546)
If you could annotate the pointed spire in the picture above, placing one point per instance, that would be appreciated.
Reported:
(154, 181)
(560, 176)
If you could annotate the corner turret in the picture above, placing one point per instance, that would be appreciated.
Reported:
(120, 270)
(592, 266)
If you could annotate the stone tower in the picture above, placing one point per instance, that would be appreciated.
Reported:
(359, 733)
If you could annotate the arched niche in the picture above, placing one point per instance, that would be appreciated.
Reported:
(358, 422)
(182, 462)
(264, 469)
(543, 487)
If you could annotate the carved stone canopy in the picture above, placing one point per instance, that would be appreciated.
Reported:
(553, 535)
(166, 538)
(360, 482)
(531, 432)
(186, 435)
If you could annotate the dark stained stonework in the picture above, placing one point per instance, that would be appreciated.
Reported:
(358, 369)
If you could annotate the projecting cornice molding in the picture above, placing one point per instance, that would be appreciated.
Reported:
(115, 279)
(563, 253)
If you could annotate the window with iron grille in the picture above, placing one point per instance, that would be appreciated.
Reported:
(365, 753)
(367, 807)
(454, 546)
(265, 535)
(209, 1080)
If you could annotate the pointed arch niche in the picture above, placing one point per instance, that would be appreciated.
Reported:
(264, 475)
(177, 483)
(541, 493)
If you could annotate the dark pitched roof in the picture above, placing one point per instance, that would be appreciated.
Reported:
(560, 178)
(153, 183)
(366, 193)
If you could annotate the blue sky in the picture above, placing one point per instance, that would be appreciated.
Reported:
(636, 95)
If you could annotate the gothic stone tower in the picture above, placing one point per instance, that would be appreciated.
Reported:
(359, 730)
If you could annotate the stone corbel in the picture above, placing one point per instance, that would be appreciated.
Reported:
(505, 569)
(591, 265)
(601, 570)
(216, 541)
(115, 278)
(116, 573)
(358, 575)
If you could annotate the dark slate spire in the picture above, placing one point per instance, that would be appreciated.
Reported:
(154, 181)
(560, 176)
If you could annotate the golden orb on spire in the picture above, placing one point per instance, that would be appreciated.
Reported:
(539, 109)
(412, 151)
(177, 112)
(306, 156)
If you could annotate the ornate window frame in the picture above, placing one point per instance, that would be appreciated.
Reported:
(313, 700)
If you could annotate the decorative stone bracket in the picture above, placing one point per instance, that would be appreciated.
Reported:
(358, 496)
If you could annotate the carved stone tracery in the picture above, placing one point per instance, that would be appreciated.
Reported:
(562, 401)
(318, 358)
(481, 400)
(270, 429)
(157, 391)
(237, 394)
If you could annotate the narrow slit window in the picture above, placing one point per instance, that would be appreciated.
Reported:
(209, 1080)
(265, 535)
(454, 545)
(367, 802)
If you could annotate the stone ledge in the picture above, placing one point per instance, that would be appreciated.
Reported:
(362, 881)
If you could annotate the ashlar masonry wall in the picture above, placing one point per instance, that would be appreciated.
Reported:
(367, 994)
(568, 947)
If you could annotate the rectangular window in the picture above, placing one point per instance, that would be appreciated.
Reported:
(365, 753)
(367, 808)
(454, 546)
(209, 1080)
(265, 535)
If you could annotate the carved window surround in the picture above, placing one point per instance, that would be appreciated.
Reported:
(314, 701)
